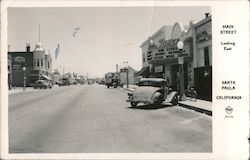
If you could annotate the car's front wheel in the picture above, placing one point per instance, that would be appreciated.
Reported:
(134, 104)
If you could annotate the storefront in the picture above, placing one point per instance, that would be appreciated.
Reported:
(22, 64)
(31, 65)
(203, 58)
(165, 62)
(163, 56)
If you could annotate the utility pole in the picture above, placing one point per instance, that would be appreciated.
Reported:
(117, 68)
(126, 67)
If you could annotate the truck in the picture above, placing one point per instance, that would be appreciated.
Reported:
(65, 81)
(111, 79)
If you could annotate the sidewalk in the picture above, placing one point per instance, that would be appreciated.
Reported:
(198, 105)
(20, 89)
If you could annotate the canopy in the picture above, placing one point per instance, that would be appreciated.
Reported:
(144, 72)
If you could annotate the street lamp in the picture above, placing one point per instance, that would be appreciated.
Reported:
(24, 78)
(180, 46)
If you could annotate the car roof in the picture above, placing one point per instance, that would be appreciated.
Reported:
(153, 79)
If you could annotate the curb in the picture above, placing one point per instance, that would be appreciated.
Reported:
(196, 109)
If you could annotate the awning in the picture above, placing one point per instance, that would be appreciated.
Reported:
(46, 77)
(144, 72)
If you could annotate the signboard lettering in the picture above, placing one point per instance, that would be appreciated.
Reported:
(158, 69)
(16, 66)
(167, 50)
(19, 59)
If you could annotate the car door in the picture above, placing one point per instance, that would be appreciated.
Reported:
(165, 89)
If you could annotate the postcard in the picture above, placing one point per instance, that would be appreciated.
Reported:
(124, 79)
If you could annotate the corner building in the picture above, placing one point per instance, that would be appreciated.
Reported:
(38, 65)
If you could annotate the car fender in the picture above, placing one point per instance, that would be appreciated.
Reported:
(156, 96)
(171, 95)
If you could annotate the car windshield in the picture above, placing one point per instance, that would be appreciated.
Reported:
(150, 84)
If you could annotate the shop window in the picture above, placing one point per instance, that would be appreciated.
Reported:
(210, 55)
(34, 60)
(201, 57)
(206, 56)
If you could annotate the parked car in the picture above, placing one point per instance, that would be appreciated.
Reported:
(42, 84)
(65, 82)
(152, 91)
(59, 83)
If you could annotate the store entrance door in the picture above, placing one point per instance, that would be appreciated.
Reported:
(203, 82)
(175, 76)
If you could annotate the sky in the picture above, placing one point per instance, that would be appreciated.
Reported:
(93, 39)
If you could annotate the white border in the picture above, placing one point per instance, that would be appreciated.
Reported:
(221, 127)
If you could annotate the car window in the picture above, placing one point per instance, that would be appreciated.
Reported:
(150, 83)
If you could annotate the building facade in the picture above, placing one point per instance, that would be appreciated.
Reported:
(161, 56)
(33, 65)
(127, 72)
(202, 44)
(9, 71)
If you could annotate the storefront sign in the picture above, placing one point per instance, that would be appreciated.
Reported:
(167, 50)
(19, 59)
(158, 69)
(16, 66)
(204, 32)
(171, 54)
(167, 43)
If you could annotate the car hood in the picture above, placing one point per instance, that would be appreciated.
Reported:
(145, 92)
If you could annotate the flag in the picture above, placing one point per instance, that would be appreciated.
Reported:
(57, 51)
(76, 31)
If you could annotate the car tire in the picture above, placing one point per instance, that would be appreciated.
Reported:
(159, 101)
(174, 100)
(134, 104)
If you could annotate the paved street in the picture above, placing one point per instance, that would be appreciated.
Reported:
(94, 119)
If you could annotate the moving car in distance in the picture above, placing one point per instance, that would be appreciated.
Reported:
(152, 91)
(42, 84)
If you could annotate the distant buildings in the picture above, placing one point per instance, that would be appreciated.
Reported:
(127, 72)
(33, 65)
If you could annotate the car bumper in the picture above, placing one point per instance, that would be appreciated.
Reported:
(139, 101)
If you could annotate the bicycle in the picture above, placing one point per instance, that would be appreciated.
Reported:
(191, 93)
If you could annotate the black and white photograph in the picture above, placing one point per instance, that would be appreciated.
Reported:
(116, 79)
(110, 79)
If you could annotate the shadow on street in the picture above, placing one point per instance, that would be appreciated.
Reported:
(150, 107)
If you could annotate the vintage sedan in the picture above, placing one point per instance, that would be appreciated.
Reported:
(42, 84)
(152, 91)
